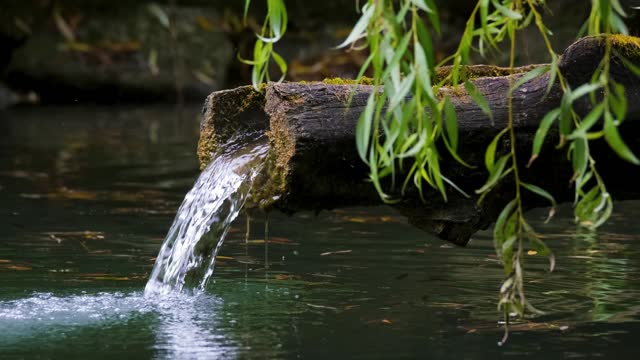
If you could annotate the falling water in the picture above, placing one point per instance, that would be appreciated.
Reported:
(187, 257)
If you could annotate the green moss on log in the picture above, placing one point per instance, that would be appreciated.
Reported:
(472, 72)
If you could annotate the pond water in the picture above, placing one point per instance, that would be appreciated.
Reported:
(87, 195)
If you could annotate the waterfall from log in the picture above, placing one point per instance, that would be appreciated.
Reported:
(188, 254)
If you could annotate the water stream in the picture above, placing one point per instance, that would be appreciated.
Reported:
(188, 254)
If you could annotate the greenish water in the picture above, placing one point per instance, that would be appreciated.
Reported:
(88, 194)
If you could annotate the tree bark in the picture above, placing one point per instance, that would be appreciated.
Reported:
(313, 162)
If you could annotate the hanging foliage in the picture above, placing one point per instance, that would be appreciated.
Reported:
(401, 142)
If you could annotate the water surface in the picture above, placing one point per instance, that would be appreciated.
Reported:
(87, 195)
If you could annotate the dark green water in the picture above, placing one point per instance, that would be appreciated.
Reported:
(87, 195)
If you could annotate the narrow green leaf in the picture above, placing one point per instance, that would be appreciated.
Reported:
(498, 229)
(455, 155)
(281, 64)
(619, 102)
(419, 145)
(618, 8)
(451, 122)
(490, 153)
(631, 66)
(605, 209)
(398, 52)
(530, 76)
(434, 167)
(478, 98)
(496, 174)
(588, 121)
(542, 249)
(506, 11)
(614, 140)
(422, 5)
(361, 26)
(433, 16)
(246, 9)
(159, 13)
(585, 206)
(580, 156)
(542, 131)
(618, 25)
(422, 69)
(456, 187)
(363, 129)
(507, 247)
(277, 19)
(582, 90)
(484, 13)
(539, 191)
(403, 91)
(553, 73)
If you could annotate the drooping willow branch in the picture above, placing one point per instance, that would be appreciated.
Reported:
(396, 136)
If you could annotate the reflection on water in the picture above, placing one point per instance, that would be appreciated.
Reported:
(87, 195)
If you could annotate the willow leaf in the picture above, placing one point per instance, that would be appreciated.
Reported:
(496, 174)
(422, 5)
(363, 129)
(580, 156)
(359, 30)
(456, 187)
(514, 15)
(281, 64)
(433, 16)
(617, 7)
(246, 8)
(542, 249)
(618, 102)
(398, 52)
(553, 73)
(542, 131)
(539, 191)
(451, 122)
(422, 68)
(478, 98)
(402, 92)
(582, 90)
(490, 153)
(498, 229)
(434, 167)
(530, 76)
(614, 140)
(588, 121)
(618, 25)
(631, 66)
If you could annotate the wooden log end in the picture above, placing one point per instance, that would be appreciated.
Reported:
(579, 61)
(226, 113)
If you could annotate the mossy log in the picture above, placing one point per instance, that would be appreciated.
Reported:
(313, 162)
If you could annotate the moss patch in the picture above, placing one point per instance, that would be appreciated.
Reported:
(340, 81)
(272, 182)
(471, 72)
(628, 46)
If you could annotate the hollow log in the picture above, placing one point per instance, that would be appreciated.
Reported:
(313, 162)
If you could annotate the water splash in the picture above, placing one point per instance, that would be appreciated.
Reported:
(184, 326)
(188, 254)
